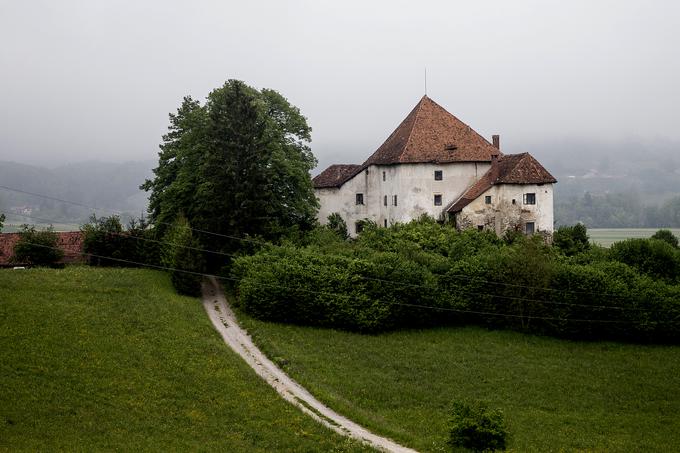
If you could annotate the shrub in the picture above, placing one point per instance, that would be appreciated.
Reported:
(571, 240)
(477, 427)
(653, 257)
(337, 224)
(107, 243)
(666, 236)
(179, 252)
(37, 247)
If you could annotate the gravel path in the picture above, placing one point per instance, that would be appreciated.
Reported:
(223, 319)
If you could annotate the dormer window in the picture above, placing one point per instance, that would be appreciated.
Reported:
(450, 147)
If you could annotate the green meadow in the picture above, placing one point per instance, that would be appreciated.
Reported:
(95, 359)
(556, 395)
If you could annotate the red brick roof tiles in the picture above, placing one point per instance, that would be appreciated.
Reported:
(431, 134)
(335, 175)
(509, 169)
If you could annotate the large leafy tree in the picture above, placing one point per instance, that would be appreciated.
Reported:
(237, 165)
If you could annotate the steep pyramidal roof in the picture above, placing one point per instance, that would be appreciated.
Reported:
(509, 169)
(431, 134)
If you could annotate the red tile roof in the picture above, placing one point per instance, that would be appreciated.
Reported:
(335, 175)
(431, 134)
(509, 169)
(70, 242)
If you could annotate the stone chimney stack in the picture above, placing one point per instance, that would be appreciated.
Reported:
(496, 141)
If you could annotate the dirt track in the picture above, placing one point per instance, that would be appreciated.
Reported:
(223, 319)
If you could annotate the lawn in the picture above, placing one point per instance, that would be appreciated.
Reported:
(111, 359)
(556, 395)
(607, 236)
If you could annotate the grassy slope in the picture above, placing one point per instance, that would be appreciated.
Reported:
(556, 395)
(106, 359)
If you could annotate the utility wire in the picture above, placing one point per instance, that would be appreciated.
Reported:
(509, 315)
(404, 284)
(457, 276)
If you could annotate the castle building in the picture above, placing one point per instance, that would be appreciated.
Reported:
(435, 164)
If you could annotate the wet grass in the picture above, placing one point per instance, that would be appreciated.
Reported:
(556, 395)
(111, 359)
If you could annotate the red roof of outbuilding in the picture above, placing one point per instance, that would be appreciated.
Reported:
(509, 169)
(335, 175)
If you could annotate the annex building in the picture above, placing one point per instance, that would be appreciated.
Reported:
(435, 164)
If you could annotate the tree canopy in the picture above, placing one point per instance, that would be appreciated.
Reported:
(237, 165)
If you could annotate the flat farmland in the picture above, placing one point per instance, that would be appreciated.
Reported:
(607, 236)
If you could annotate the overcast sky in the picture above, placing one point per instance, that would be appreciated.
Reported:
(96, 80)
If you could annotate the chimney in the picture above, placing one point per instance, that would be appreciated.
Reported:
(496, 141)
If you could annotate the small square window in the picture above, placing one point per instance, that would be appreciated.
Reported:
(480, 227)
(529, 198)
(487, 199)
(359, 227)
(529, 228)
(385, 200)
(438, 200)
(394, 200)
(438, 175)
(360, 198)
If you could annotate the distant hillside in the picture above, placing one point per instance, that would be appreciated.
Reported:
(110, 187)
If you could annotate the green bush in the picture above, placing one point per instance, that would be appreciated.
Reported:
(180, 253)
(107, 243)
(337, 224)
(666, 236)
(653, 257)
(477, 427)
(39, 248)
(571, 240)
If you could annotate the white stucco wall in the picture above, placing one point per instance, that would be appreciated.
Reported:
(413, 184)
(502, 214)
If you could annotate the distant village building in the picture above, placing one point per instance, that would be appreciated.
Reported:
(435, 164)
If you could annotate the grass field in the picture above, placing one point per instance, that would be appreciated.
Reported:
(556, 395)
(111, 359)
(607, 236)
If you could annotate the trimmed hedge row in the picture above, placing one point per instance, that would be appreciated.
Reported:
(387, 280)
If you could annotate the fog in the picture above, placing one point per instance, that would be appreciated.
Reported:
(85, 80)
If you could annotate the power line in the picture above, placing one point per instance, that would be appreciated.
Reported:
(508, 315)
(457, 276)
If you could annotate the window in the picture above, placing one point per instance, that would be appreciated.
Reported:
(385, 223)
(529, 198)
(360, 198)
(383, 176)
(438, 175)
(513, 201)
(385, 200)
(438, 200)
(359, 227)
(394, 200)
(480, 227)
(529, 228)
(487, 199)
